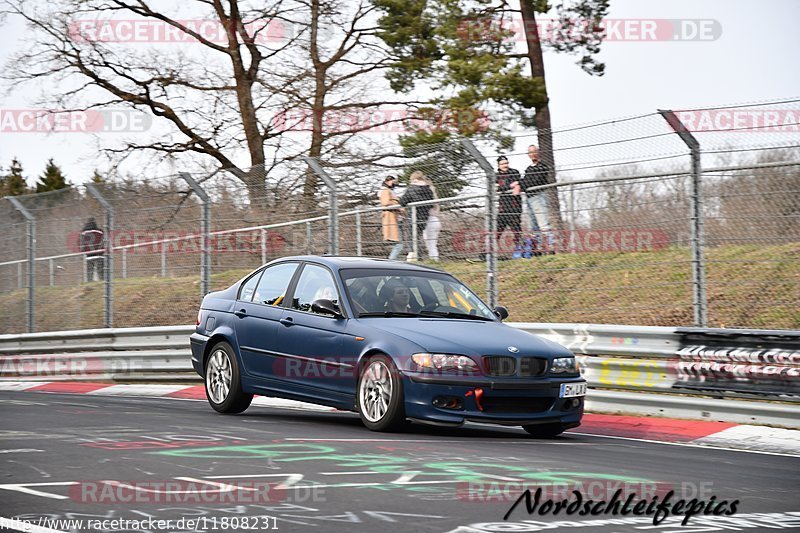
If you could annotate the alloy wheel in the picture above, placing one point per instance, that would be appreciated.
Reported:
(376, 391)
(218, 376)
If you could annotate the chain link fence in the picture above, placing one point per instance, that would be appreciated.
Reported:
(639, 228)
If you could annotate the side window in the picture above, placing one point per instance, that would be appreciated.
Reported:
(315, 282)
(273, 284)
(249, 287)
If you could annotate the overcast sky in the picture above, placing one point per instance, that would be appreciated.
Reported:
(749, 54)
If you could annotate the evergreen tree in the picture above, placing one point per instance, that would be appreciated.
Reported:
(15, 183)
(52, 179)
(97, 178)
(465, 51)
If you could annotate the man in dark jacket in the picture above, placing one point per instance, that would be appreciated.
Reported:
(537, 174)
(418, 191)
(509, 214)
(91, 243)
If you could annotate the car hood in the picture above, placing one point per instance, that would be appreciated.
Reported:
(469, 337)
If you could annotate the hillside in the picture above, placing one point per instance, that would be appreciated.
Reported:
(749, 286)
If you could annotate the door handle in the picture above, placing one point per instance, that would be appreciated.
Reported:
(241, 313)
(287, 321)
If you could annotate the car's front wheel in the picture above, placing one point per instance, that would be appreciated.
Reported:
(380, 395)
(544, 431)
(223, 383)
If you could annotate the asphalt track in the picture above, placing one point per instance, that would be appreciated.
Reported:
(149, 459)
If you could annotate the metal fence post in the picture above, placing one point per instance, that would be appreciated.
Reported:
(333, 213)
(358, 232)
(571, 209)
(414, 237)
(490, 243)
(205, 229)
(31, 249)
(263, 246)
(108, 260)
(699, 299)
(309, 236)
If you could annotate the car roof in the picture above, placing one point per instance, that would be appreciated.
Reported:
(340, 262)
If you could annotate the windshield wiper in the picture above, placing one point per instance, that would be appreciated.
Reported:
(450, 314)
(389, 314)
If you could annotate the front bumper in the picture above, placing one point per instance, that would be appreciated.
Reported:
(512, 401)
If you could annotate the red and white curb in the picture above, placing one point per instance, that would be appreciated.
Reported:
(760, 439)
(742, 437)
(184, 392)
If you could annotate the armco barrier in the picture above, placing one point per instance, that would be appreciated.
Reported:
(728, 362)
(746, 361)
(118, 354)
(667, 363)
(693, 407)
(606, 339)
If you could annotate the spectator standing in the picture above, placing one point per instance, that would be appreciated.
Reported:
(91, 243)
(390, 218)
(509, 215)
(418, 191)
(434, 225)
(537, 175)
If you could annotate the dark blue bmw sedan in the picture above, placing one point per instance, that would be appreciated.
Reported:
(392, 341)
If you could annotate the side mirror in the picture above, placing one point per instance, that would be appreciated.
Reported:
(324, 306)
(501, 312)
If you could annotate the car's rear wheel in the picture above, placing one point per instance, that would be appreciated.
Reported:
(380, 395)
(223, 382)
(544, 431)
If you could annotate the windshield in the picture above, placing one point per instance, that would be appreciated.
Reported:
(399, 293)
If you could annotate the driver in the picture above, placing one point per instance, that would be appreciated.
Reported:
(397, 297)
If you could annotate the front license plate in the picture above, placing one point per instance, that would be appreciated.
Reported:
(570, 390)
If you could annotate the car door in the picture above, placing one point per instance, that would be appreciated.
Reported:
(319, 355)
(258, 311)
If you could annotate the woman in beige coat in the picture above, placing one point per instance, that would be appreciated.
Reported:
(391, 219)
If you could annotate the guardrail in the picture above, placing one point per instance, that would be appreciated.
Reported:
(117, 354)
(721, 362)
(668, 368)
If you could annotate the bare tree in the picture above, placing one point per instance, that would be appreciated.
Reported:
(227, 99)
(335, 90)
(196, 94)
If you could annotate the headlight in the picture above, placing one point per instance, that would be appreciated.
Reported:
(444, 362)
(565, 365)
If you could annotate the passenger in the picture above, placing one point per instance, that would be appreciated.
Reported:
(327, 292)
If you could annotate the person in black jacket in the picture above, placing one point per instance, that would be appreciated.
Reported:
(509, 214)
(537, 174)
(91, 243)
(418, 191)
